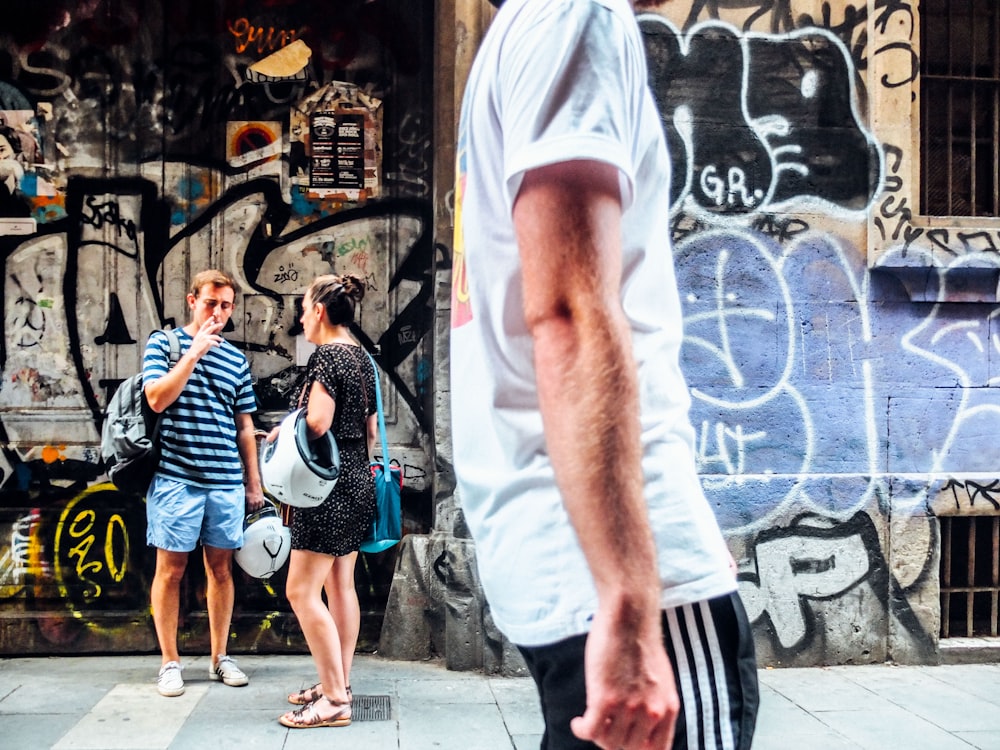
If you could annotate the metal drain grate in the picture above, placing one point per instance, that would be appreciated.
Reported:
(371, 708)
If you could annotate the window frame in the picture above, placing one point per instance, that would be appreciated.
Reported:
(902, 240)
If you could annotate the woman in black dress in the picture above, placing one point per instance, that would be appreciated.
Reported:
(338, 394)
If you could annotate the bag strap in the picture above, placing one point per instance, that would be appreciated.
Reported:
(175, 354)
(175, 346)
(381, 419)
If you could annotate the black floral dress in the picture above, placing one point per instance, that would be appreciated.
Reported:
(339, 525)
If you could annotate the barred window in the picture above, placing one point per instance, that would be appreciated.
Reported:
(970, 576)
(960, 107)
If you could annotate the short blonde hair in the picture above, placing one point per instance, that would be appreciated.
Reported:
(214, 277)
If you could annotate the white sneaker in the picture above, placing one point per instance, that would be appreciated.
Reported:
(225, 669)
(169, 681)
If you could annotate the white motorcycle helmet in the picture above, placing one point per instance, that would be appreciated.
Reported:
(295, 470)
(267, 543)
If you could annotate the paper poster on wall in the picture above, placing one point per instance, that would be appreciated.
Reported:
(23, 168)
(336, 144)
(338, 151)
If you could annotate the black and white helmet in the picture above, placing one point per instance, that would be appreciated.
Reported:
(298, 471)
(266, 543)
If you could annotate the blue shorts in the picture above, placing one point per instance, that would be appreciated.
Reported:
(180, 515)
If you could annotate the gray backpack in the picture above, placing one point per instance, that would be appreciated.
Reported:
(129, 445)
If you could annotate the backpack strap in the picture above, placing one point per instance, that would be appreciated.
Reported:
(175, 346)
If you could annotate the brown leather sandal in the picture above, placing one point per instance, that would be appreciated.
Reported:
(307, 695)
(308, 717)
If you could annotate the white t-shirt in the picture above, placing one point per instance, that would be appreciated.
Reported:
(557, 80)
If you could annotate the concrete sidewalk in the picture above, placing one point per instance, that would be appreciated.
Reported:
(111, 703)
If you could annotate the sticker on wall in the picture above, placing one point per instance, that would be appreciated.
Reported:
(287, 64)
(336, 144)
(254, 146)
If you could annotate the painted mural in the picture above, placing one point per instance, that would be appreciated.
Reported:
(832, 400)
(164, 142)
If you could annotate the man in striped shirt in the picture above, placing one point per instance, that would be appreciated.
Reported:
(197, 494)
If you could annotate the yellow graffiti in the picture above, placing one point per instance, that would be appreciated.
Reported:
(76, 527)
(80, 551)
(265, 626)
(117, 572)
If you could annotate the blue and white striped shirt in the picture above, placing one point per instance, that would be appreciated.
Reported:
(198, 434)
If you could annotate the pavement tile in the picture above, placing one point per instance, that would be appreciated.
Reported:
(881, 728)
(839, 693)
(979, 680)
(231, 730)
(778, 716)
(981, 740)
(517, 700)
(426, 692)
(823, 740)
(457, 726)
(35, 730)
(361, 735)
(30, 694)
(526, 741)
(945, 705)
(132, 717)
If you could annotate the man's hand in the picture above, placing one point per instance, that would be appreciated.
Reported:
(207, 337)
(632, 701)
(255, 498)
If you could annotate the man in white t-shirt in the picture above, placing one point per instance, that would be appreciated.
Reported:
(599, 555)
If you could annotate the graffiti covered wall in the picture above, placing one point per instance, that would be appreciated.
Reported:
(167, 138)
(840, 347)
(831, 403)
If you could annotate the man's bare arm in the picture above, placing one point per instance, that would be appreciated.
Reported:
(568, 222)
(246, 443)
